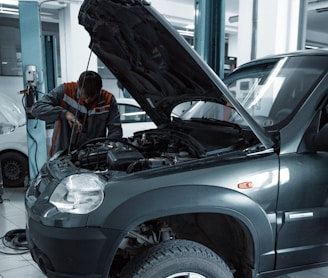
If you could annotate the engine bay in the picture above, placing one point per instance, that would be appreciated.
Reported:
(146, 151)
(152, 149)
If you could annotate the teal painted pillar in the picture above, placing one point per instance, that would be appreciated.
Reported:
(32, 67)
(210, 33)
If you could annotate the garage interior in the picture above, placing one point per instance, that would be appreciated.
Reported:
(311, 33)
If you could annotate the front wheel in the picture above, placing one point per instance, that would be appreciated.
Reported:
(14, 169)
(177, 259)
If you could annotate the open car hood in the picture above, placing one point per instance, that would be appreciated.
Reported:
(152, 61)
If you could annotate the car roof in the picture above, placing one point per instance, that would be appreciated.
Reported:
(304, 52)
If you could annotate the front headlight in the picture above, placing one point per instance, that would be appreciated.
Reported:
(79, 194)
(6, 128)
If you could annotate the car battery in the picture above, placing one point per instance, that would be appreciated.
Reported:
(121, 158)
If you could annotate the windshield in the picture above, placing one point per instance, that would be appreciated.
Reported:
(270, 91)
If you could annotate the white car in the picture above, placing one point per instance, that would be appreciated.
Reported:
(13, 142)
(133, 118)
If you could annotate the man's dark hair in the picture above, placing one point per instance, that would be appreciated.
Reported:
(91, 82)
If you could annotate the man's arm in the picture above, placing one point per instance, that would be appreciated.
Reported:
(48, 107)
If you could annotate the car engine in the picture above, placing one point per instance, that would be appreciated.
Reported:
(144, 151)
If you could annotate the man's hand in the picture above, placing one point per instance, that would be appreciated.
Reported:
(72, 121)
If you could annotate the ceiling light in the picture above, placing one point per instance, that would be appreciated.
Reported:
(9, 2)
(4, 10)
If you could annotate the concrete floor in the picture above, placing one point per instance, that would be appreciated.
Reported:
(12, 216)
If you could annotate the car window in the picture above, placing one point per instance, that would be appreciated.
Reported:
(270, 92)
(274, 90)
(132, 114)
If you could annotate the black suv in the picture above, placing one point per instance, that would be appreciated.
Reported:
(232, 183)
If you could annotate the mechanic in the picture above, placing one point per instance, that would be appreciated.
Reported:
(82, 111)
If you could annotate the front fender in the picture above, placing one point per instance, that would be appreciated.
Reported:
(197, 199)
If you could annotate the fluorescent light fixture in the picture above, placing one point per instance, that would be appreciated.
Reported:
(4, 10)
(9, 2)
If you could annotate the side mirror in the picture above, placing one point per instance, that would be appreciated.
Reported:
(320, 140)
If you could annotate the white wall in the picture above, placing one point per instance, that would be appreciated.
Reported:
(178, 12)
(233, 45)
(278, 28)
(74, 45)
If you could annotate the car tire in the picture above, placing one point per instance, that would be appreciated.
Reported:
(177, 259)
(14, 168)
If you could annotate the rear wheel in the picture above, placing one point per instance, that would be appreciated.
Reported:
(14, 169)
(177, 259)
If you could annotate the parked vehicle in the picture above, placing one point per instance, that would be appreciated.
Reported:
(133, 118)
(234, 187)
(13, 145)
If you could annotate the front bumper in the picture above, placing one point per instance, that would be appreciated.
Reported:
(71, 252)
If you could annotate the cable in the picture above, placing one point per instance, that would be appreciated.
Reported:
(16, 241)
(73, 129)
(30, 135)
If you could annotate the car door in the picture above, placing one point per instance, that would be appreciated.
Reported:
(302, 230)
